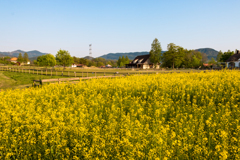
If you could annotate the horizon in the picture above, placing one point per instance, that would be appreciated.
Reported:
(117, 26)
(98, 56)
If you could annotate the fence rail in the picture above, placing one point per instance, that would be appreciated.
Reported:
(53, 72)
(59, 80)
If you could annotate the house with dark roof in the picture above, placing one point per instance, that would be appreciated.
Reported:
(142, 62)
(234, 60)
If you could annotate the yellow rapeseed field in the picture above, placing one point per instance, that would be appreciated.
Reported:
(162, 116)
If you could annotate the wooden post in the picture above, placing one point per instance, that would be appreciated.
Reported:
(87, 74)
(41, 72)
(82, 74)
(104, 73)
(75, 74)
(29, 71)
(46, 72)
(68, 73)
(58, 81)
(56, 73)
(62, 73)
(51, 72)
(95, 74)
(37, 71)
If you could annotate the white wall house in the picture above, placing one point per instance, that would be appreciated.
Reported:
(234, 60)
(142, 62)
(74, 65)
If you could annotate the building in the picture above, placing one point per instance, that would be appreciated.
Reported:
(142, 62)
(14, 60)
(74, 65)
(108, 66)
(234, 60)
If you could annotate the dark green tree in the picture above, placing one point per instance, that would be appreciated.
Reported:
(155, 52)
(123, 60)
(174, 56)
(20, 58)
(64, 58)
(219, 56)
(126, 60)
(119, 61)
(226, 55)
(25, 58)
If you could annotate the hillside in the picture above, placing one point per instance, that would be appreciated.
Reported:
(115, 56)
(31, 54)
(209, 51)
(131, 55)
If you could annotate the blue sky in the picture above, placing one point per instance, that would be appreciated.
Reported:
(113, 26)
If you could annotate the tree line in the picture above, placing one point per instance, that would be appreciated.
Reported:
(177, 56)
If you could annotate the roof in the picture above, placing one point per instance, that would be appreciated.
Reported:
(14, 59)
(141, 59)
(206, 64)
(234, 57)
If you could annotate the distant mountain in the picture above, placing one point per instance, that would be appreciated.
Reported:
(88, 57)
(209, 51)
(115, 56)
(131, 55)
(31, 54)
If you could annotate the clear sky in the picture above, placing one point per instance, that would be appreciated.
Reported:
(113, 26)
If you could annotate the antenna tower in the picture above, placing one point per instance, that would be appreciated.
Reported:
(90, 50)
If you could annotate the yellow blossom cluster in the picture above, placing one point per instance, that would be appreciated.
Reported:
(162, 116)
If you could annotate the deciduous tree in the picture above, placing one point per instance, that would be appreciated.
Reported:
(46, 60)
(226, 55)
(20, 58)
(64, 58)
(25, 58)
(155, 52)
(174, 55)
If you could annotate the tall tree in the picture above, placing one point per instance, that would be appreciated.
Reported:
(64, 58)
(119, 61)
(155, 52)
(25, 57)
(127, 60)
(174, 55)
(219, 56)
(20, 58)
(123, 60)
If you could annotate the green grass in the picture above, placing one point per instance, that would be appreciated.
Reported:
(20, 76)
(25, 78)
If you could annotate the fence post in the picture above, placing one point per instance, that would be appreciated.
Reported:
(46, 72)
(51, 72)
(62, 73)
(104, 73)
(37, 71)
(87, 74)
(56, 73)
(68, 73)
(75, 74)
(58, 81)
(82, 74)
(95, 74)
